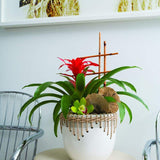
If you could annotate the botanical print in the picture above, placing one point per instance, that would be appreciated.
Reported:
(138, 5)
(51, 8)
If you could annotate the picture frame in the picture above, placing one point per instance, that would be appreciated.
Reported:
(57, 12)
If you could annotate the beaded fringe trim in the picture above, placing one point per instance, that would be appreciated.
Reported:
(75, 123)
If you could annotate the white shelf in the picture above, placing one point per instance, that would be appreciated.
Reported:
(80, 19)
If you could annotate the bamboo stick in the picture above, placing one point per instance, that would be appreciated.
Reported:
(104, 61)
(108, 54)
(99, 68)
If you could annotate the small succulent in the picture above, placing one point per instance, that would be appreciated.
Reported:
(80, 107)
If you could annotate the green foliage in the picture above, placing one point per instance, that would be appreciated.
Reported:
(81, 108)
(133, 96)
(121, 111)
(128, 110)
(65, 104)
(37, 106)
(90, 109)
(56, 122)
(69, 97)
(110, 99)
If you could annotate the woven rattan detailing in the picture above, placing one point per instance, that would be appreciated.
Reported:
(78, 124)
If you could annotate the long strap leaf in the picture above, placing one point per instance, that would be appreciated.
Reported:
(98, 83)
(131, 86)
(89, 87)
(118, 82)
(67, 86)
(65, 104)
(133, 96)
(52, 87)
(38, 105)
(128, 110)
(56, 110)
(121, 111)
(26, 104)
(56, 122)
(114, 71)
(80, 82)
(41, 88)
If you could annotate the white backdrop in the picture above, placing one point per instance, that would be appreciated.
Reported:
(29, 55)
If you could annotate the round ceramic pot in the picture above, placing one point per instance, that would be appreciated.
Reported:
(89, 137)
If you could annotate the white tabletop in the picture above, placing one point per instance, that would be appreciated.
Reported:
(60, 154)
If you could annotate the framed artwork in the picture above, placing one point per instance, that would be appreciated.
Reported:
(44, 12)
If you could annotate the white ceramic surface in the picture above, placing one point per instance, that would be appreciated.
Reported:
(95, 145)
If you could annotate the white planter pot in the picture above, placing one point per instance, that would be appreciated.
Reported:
(90, 141)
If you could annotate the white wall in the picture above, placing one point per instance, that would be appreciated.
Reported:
(29, 55)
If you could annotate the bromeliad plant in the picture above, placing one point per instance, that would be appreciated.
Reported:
(76, 97)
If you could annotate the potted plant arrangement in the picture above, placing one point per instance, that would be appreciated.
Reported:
(87, 112)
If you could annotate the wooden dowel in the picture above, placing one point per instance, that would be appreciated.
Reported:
(97, 73)
(99, 68)
(108, 54)
(104, 60)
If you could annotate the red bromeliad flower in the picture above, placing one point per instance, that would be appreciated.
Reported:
(76, 66)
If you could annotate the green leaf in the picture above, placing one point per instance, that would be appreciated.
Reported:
(80, 113)
(74, 109)
(83, 101)
(110, 99)
(90, 86)
(38, 105)
(26, 104)
(76, 104)
(65, 104)
(109, 83)
(56, 110)
(56, 125)
(133, 96)
(131, 86)
(52, 87)
(96, 85)
(114, 71)
(128, 110)
(41, 88)
(119, 83)
(80, 82)
(121, 111)
(67, 86)
(90, 109)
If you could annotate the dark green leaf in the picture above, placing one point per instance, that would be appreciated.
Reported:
(109, 83)
(65, 104)
(56, 110)
(38, 105)
(90, 86)
(52, 87)
(96, 85)
(56, 125)
(26, 104)
(114, 71)
(41, 88)
(80, 82)
(131, 86)
(128, 110)
(121, 111)
(119, 83)
(110, 99)
(133, 96)
(90, 109)
(67, 86)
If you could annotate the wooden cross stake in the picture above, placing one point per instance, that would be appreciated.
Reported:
(99, 59)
